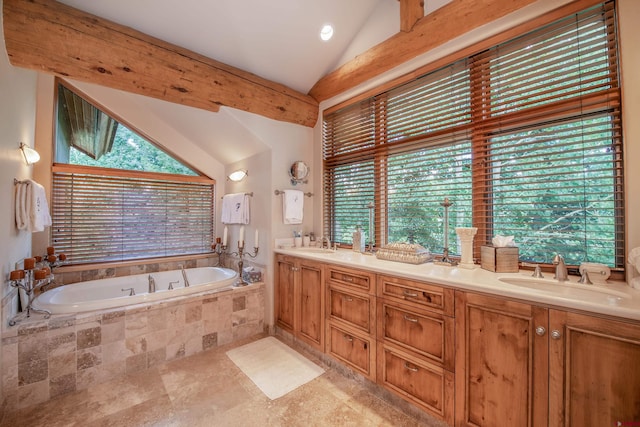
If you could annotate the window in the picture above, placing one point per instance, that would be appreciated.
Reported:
(524, 138)
(117, 196)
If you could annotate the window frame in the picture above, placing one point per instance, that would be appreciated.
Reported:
(200, 180)
(484, 125)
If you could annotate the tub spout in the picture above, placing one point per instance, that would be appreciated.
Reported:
(152, 284)
(184, 276)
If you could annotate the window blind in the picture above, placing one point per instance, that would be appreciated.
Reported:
(524, 138)
(119, 216)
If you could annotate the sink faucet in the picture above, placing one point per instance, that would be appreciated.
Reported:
(561, 268)
(152, 284)
(184, 276)
(324, 239)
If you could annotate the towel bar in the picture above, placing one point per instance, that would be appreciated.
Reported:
(246, 194)
(279, 192)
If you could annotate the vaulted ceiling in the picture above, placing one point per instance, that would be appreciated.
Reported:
(277, 41)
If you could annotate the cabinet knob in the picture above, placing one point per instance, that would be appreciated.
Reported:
(347, 338)
(556, 335)
(540, 330)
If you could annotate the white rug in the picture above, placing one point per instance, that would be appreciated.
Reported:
(275, 368)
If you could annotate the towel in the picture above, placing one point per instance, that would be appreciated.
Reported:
(292, 206)
(32, 209)
(235, 209)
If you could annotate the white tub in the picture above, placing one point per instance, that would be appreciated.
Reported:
(108, 293)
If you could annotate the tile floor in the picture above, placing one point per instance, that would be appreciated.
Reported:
(207, 389)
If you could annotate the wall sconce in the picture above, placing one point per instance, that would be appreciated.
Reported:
(31, 156)
(238, 175)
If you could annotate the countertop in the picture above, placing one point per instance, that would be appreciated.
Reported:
(612, 299)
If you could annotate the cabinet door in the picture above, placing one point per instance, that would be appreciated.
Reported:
(311, 304)
(594, 371)
(285, 286)
(501, 362)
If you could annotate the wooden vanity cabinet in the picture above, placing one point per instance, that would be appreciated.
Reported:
(416, 343)
(351, 311)
(299, 299)
(594, 371)
(522, 364)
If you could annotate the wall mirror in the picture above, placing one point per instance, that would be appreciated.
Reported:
(299, 172)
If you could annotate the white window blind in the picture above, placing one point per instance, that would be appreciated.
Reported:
(524, 138)
(124, 215)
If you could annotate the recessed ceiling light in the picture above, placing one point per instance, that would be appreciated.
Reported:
(326, 32)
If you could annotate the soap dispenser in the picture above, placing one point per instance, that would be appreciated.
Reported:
(358, 239)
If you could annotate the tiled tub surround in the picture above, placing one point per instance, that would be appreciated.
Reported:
(43, 359)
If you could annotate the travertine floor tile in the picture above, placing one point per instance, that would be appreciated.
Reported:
(206, 390)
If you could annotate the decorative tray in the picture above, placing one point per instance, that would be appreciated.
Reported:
(409, 253)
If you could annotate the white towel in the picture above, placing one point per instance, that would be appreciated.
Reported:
(292, 206)
(32, 209)
(22, 218)
(235, 209)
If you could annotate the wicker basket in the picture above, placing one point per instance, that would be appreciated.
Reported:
(404, 252)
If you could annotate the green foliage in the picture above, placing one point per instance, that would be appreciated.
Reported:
(132, 152)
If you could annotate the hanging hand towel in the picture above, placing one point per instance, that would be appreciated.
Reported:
(235, 209)
(293, 206)
(32, 209)
(22, 218)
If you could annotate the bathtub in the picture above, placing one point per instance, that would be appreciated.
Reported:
(107, 293)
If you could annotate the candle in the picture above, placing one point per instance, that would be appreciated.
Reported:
(62, 257)
(47, 271)
(51, 258)
(16, 275)
(51, 250)
(40, 274)
(256, 239)
(224, 236)
(241, 238)
(29, 263)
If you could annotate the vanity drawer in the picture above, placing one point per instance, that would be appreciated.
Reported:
(355, 309)
(353, 279)
(427, 333)
(354, 350)
(428, 386)
(417, 294)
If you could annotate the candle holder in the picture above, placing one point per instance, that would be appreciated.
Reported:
(29, 283)
(445, 250)
(240, 254)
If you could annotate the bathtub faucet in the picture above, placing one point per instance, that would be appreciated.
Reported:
(152, 284)
(184, 276)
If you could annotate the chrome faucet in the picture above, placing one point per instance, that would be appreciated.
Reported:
(152, 284)
(561, 268)
(324, 239)
(184, 276)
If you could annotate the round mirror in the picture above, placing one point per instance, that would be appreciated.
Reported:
(298, 172)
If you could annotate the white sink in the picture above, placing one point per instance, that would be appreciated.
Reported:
(568, 289)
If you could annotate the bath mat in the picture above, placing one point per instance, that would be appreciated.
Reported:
(275, 368)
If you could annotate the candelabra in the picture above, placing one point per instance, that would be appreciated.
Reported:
(240, 254)
(445, 251)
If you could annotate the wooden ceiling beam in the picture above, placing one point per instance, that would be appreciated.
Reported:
(446, 23)
(411, 11)
(50, 37)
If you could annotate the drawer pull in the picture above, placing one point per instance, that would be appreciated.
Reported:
(556, 335)
(409, 294)
(410, 319)
(347, 279)
(347, 338)
(347, 299)
(408, 367)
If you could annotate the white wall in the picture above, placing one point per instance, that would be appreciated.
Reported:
(268, 172)
(17, 124)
